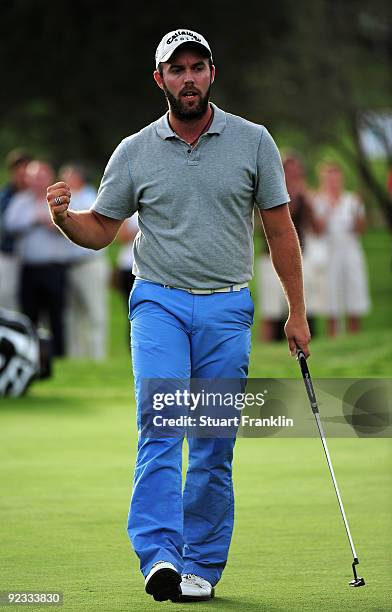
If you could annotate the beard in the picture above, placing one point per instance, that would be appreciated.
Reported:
(183, 112)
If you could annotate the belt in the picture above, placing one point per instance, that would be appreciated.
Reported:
(209, 291)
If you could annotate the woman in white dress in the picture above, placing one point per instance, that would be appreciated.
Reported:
(342, 217)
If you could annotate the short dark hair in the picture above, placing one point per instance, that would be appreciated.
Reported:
(16, 157)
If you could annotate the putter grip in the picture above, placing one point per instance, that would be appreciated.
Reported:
(307, 380)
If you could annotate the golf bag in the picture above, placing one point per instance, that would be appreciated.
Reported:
(24, 354)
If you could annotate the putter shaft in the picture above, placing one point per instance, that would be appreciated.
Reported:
(313, 402)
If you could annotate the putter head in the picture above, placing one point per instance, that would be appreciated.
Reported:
(358, 581)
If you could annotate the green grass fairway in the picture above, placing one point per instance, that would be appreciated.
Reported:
(66, 461)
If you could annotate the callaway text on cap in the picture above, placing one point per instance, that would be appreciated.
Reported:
(172, 40)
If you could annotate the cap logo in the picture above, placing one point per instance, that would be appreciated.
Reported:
(182, 33)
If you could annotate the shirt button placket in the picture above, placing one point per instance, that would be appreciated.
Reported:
(193, 156)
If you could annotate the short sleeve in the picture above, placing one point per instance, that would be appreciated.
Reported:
(116, 193)
(270, 187)
(132, 222)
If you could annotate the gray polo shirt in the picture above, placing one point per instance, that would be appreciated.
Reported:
(195, 205)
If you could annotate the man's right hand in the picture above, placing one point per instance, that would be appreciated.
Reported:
(58, 210)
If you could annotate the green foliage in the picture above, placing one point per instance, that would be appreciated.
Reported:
(77, 90)
(310, 69)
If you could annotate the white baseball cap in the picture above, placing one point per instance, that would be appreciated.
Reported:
(172, 40)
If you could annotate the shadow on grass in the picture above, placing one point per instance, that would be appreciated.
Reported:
(55, 404)
(225, 603)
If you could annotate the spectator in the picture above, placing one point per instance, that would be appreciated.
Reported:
(273, 303)
(88, 275)
(43, 252)
(341, 216)
(16, 162)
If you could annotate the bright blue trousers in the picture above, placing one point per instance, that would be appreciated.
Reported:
(175, 334)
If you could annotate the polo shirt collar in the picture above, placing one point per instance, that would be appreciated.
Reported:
(163, 128)
(219, 121)
(217, 126)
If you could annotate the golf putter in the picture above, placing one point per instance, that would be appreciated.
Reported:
(358, 581)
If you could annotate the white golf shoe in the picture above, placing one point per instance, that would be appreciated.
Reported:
(195, 588)
(163, 581)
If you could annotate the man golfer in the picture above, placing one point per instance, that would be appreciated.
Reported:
(194, 176)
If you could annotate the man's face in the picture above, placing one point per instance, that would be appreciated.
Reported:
(39, 176)
(333, 179)
(186, 80)
(294, 171)
(70, 175)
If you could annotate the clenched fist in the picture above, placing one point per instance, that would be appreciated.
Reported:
(58, 198)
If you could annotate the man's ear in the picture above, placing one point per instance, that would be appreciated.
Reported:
(213, 71)
(158, 78)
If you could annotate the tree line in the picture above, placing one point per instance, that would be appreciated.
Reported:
(78, 73)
